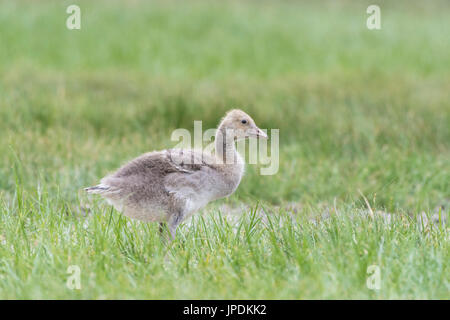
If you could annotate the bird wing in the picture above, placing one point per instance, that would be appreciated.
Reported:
(162, 163)
(178, 171)
(187, 161)
(191, 170)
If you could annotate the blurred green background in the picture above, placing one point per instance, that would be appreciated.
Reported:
(359, 111)
(356, 108)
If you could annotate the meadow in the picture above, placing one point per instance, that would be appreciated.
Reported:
(364, 175)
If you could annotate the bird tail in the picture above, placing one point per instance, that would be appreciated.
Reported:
(98, 189)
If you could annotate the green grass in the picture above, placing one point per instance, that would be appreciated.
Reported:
(359, 112)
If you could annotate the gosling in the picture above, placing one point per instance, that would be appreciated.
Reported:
(169, 186)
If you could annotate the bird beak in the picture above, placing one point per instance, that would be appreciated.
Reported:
(261, 134)
(255, 132)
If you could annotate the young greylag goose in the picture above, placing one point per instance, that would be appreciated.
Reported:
(169, 186)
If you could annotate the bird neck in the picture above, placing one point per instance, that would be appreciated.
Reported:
(225, 149)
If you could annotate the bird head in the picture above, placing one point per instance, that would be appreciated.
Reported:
(240, 125)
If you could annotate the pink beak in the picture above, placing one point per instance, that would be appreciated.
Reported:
(261, 134)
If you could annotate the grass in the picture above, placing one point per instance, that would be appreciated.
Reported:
(360, 113)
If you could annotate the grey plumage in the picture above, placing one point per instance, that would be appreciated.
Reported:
(170, 185)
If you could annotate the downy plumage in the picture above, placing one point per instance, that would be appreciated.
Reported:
(170, 185)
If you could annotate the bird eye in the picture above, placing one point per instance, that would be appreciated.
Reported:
(244, 121)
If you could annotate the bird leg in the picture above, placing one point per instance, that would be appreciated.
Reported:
(174, 222)
(161, 229)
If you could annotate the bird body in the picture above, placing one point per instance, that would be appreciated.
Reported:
(171, 185)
